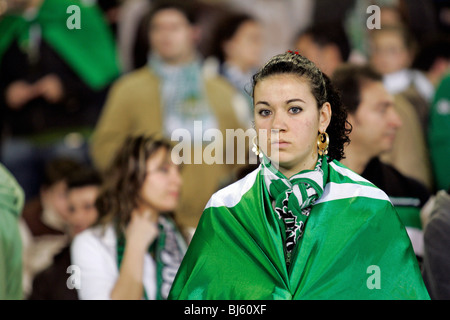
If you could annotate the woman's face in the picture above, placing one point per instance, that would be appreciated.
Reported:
(55, 198)
(287, 111)
(389, 53)
(244, 49)
(82, 210)
(162, 185)
(172, 37)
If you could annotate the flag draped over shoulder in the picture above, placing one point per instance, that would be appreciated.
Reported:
(353, 246)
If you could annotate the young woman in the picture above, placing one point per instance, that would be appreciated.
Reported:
(135, 249)
(237, 45)
(301, 226)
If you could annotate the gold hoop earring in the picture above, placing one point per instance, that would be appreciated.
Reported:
(323, 141)
(255, 148)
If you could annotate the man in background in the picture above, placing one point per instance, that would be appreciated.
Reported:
(374, 124)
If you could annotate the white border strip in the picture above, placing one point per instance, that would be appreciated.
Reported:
(337, 191)
(232, 194)
(349, 173)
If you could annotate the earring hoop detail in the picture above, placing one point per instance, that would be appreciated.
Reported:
(323, 141)
(255, 148)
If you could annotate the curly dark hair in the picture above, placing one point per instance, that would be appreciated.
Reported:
(322, 90)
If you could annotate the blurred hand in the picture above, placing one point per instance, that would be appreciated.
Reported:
(142, 229)
(140, 233)
(20, 93)
(51, 88)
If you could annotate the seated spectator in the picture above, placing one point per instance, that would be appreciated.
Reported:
(430, 65)
(361, 20)
(281, 20)
(437, 241)
(237, 45)
(393, 50)
(53, 84)
(135, 248)
(83, 187)
(44, 221)
(132, 29)
(374, 124)
(325, 45)
(409, 154)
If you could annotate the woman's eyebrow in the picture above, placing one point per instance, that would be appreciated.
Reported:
(295, 100)
(263, 102)
(287, 102)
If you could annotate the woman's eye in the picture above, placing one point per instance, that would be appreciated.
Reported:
(264, 113)
(382, 109)
(295, 110)
(164, 169)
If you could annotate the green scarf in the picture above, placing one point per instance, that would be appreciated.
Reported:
(183, 96)
(167, 250)
(294, 198)
(90, 51)
(239, 248)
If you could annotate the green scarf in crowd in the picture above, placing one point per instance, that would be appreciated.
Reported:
(167, 251)
(89, 51)
(183, 96)
(349, 241)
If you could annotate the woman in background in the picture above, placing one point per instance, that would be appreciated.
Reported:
(237, 49)
(135, 249)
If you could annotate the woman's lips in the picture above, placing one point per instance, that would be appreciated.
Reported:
(174, 194)
(281, 143)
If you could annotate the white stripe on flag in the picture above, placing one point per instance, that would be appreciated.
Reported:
(232, 194)
(348, 173)
(337, 191)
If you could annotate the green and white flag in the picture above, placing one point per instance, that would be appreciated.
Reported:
(350, 244)
(90, 51)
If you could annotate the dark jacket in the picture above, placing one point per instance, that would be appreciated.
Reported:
(51, 284)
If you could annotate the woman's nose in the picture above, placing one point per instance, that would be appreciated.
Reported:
(175, 176)
(279, 122)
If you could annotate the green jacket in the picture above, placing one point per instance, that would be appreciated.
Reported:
(11, 204)
(439, 135)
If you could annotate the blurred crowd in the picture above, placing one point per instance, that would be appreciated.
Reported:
(70, 98)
